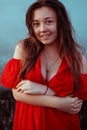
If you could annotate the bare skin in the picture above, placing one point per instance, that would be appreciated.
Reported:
(67, 104)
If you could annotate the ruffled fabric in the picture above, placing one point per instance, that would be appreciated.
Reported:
(82, 90)
(10, 73)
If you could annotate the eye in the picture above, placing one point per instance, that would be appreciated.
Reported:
(49, 22)
(36, 24)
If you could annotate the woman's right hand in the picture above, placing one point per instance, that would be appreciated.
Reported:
(69, 104)
(33, 88)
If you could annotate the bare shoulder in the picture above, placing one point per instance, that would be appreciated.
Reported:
(84, 65)
(19, 50)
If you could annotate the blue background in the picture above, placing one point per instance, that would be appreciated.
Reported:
(13, 28)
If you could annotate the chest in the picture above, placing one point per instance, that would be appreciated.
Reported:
(49, 71)
(60, 80)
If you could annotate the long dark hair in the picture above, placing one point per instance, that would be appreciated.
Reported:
(67, 46)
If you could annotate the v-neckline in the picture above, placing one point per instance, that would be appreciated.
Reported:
(53, 75)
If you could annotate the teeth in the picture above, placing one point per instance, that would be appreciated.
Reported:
(45, 35)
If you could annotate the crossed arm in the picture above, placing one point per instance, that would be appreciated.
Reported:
(32, 93)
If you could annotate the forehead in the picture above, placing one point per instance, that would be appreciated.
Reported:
(44, 12)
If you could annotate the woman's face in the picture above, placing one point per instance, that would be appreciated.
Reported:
(45, 25)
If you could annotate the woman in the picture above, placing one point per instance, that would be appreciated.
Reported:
(47, 72)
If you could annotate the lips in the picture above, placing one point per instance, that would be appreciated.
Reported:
(44, 35)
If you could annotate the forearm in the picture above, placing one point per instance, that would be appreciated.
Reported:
(38, 100)
(67, 104)
(29, 87)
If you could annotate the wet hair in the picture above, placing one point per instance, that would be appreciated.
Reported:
(67, 45)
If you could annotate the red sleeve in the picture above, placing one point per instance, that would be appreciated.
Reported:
(10, 73)
(82, 90)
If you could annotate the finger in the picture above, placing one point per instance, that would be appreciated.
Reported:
(76, 98)
(18, 89)
(27, 92)
(78, 102)
(75, 110)
(21, 83)
(24, 81)
(23, 88)
(78, 106)
(21, 91)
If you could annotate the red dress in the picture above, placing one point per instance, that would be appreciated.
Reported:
(29, 117)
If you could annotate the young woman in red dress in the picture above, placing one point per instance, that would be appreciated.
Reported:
(48, 73)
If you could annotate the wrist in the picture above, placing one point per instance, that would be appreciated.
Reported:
(46, 89)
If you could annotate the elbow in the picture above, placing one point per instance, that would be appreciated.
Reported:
(14, 94)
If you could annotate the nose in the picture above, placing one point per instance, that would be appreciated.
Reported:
(43, 27)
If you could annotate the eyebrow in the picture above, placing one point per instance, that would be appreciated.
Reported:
(44, 19)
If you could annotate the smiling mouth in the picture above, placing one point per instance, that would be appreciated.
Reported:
(45, 35)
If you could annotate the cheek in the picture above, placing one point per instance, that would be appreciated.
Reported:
(36, 32)
(53, 28)
(55, 31)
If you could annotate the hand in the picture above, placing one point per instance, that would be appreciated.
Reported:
(29, 87)
(70, 104)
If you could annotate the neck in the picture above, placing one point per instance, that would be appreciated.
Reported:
(50, 51)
